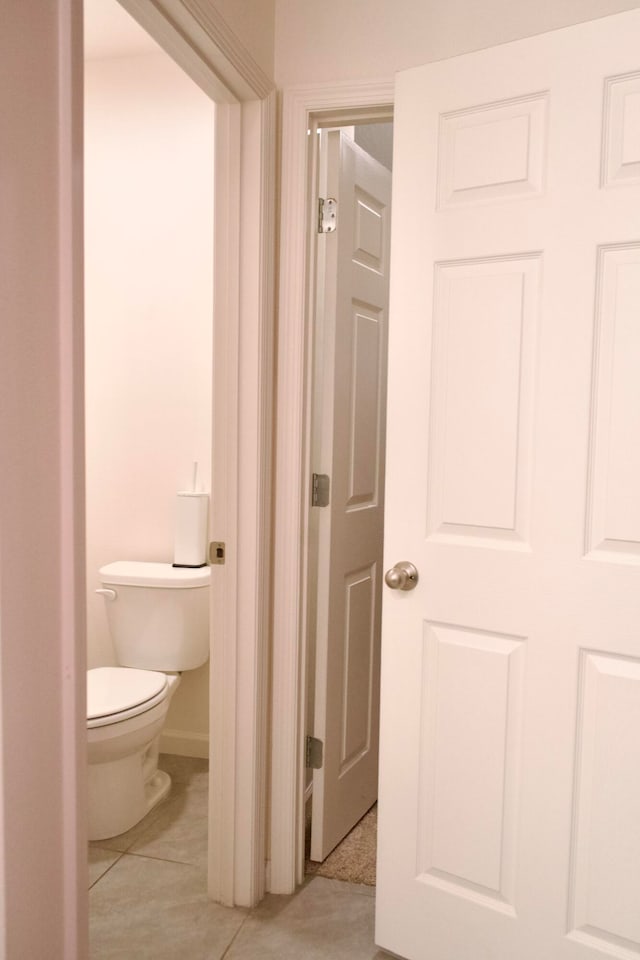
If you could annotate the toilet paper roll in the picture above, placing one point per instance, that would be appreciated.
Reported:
(190, 545)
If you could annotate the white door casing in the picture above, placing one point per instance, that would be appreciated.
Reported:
(302, 109)
(199, 39)
(510, 734)
(48, 840)
(350, 401)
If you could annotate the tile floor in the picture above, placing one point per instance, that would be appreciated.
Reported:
(148, 896)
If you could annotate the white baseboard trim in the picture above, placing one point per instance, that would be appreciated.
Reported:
(185, 744)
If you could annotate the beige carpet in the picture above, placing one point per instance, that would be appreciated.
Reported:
(355, 858)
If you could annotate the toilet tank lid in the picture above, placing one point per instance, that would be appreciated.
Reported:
(137, 573)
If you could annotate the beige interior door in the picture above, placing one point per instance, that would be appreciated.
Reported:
(351, 391)
(510, 742)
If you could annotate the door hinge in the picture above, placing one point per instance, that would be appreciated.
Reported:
(327, 213)
(320, 490)
(216, 551)
(313, 753)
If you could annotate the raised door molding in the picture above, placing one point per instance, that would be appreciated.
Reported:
(302, 108)
(203, 44)
(43, 846)
(241, 510)
(201, 41)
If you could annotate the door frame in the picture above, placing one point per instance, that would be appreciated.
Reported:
(200, 41)
(47, 40)
(303, 109)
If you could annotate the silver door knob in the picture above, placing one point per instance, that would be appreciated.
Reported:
(403, 576)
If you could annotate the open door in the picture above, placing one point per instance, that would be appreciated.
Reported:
(510, 738)
(351, 391)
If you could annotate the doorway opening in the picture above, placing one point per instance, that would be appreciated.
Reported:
(149, 229)
(349, 270)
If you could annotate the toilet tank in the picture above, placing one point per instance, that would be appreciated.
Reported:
(158, 614)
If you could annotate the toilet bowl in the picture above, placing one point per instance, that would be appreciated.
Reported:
(158, 618)
(123, 735)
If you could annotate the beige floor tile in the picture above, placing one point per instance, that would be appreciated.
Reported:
(191, 771)
(99, 862)
(124, 840)
(156, 910)
(179, 832)
(149, 897)
(325, 920)
(188, 774)
(354, 889)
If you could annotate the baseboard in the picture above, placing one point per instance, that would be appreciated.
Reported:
(185, 744)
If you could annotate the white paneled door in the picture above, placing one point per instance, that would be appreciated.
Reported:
(510, 733)
(351, 391)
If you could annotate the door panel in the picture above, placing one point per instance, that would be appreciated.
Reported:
(614, 506)
(510, 781)
(478, 484)
(350, 530)
(469, 761)
(604, 891)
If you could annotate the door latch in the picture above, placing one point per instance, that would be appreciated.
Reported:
(217, 550)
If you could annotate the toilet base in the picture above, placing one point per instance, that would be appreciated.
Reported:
(122, 792)
(124, 780)
(157, 789)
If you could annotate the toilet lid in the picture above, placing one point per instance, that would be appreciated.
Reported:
(114, 690)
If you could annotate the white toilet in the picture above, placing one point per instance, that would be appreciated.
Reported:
(159, 621)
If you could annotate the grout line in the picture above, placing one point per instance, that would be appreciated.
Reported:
(150, 856)
(235, 936)
(140, 856)
(110, 867)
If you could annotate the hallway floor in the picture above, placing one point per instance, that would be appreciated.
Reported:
(148, 896)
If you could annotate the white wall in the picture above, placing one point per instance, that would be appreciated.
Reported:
(149, 227)
(253, 23)
(373, 39)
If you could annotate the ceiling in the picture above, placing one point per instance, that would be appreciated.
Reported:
(109, 31)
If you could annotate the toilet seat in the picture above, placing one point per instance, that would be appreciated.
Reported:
(118, 693)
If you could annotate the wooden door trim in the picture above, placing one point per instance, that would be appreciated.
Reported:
(303, 108)
(198, 38)
(55, 436)
(243, 273)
